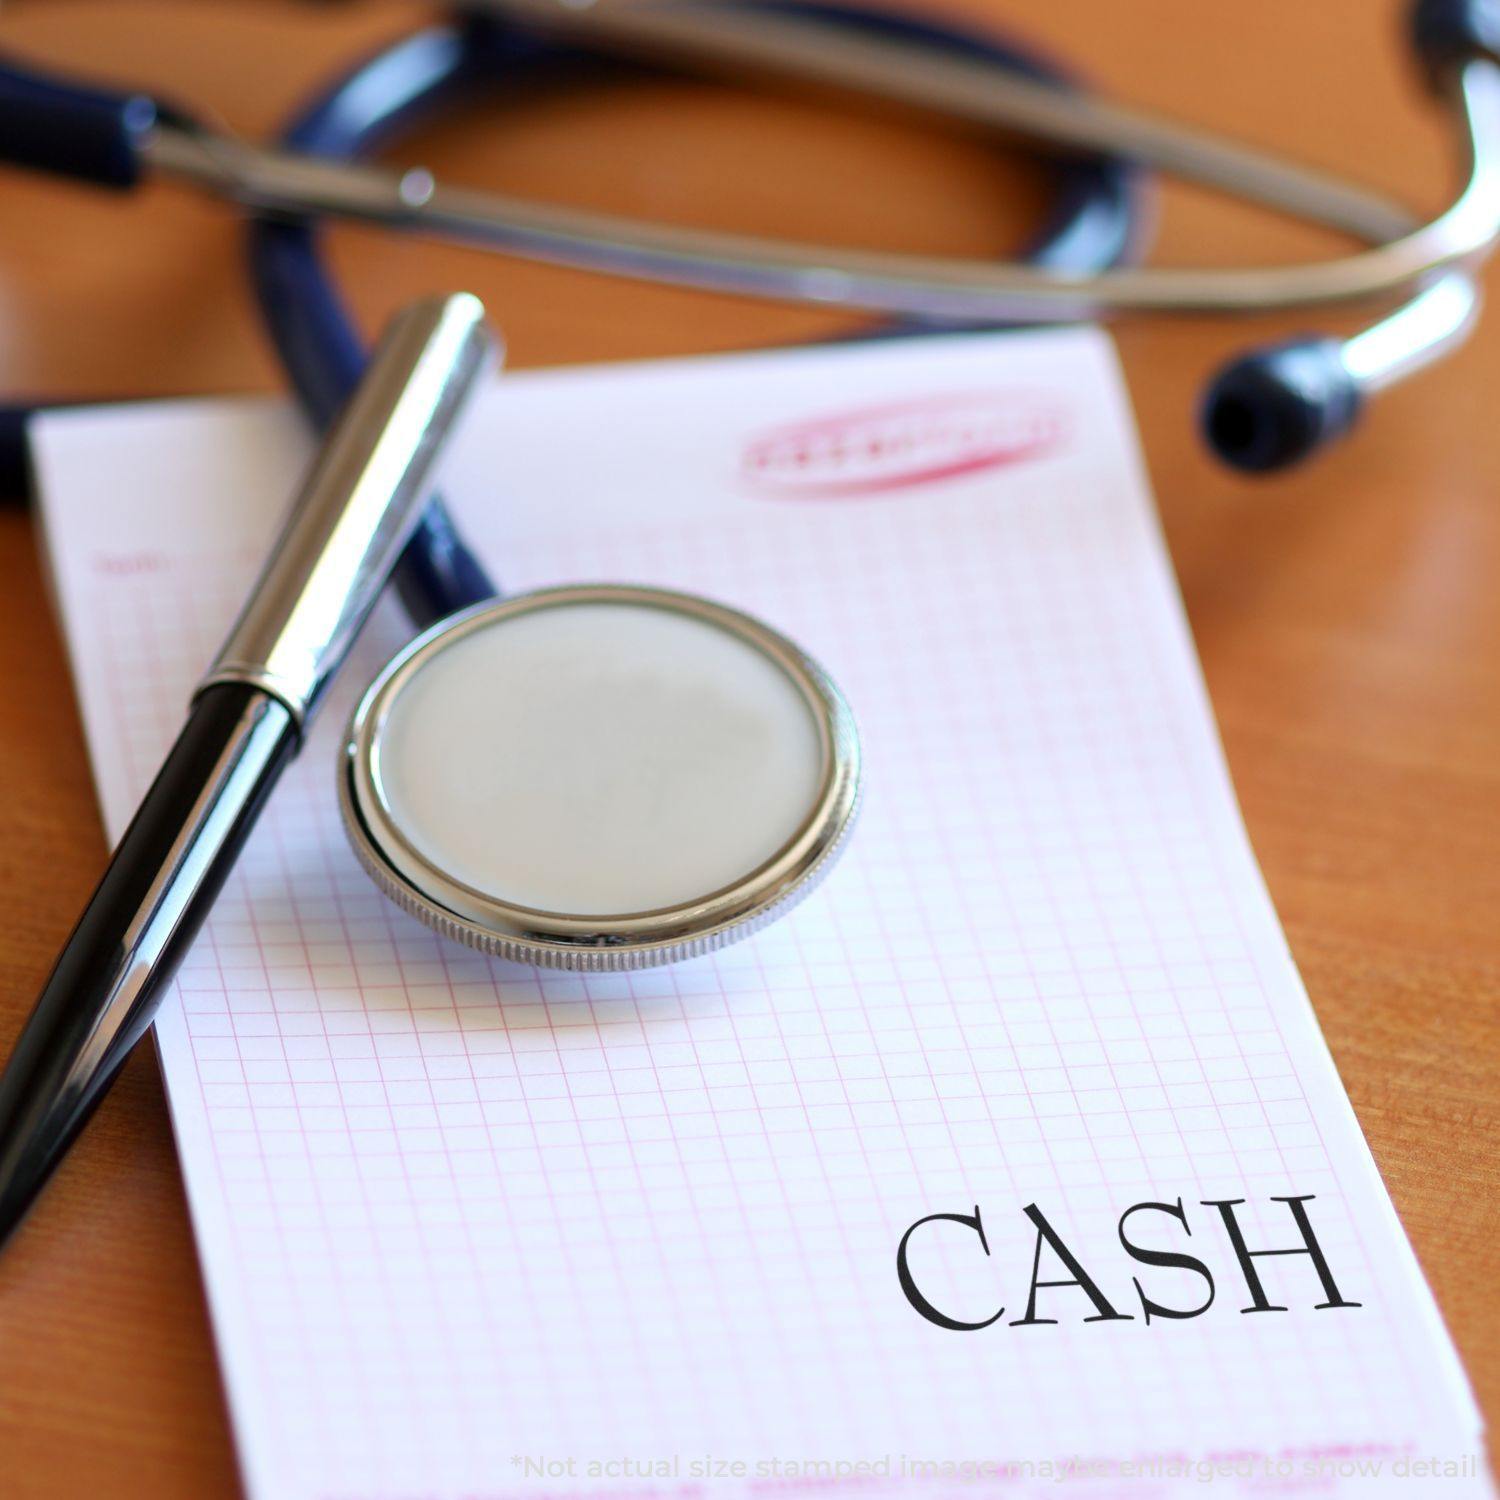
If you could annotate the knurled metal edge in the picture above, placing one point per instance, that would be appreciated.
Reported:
(615, 958)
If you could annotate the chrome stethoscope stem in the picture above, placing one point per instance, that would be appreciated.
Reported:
(1417, 334)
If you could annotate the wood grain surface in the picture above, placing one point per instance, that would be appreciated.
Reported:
(1348, 617)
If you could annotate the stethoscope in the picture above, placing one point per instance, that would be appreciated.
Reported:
(541, 854)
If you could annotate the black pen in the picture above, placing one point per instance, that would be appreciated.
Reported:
(247, 719)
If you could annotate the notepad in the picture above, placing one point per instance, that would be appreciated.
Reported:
(923, 1189)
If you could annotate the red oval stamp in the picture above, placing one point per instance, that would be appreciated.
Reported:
(875, 450)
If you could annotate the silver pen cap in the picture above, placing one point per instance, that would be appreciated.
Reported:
(358, 505)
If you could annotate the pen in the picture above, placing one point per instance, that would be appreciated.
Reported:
(246, 722)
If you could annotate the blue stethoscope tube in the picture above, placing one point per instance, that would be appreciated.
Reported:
(1091, 225)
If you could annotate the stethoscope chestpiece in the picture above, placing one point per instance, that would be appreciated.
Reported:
(599, 778)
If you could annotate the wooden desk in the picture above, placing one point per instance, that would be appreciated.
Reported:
(1348, 617)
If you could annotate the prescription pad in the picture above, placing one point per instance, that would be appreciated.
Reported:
(470, 1229)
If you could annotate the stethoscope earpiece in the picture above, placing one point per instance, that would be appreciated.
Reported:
(1275, 406)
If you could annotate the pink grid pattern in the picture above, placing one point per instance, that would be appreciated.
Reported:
(455, 1210)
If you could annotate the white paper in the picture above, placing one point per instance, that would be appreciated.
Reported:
(469, 1229)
